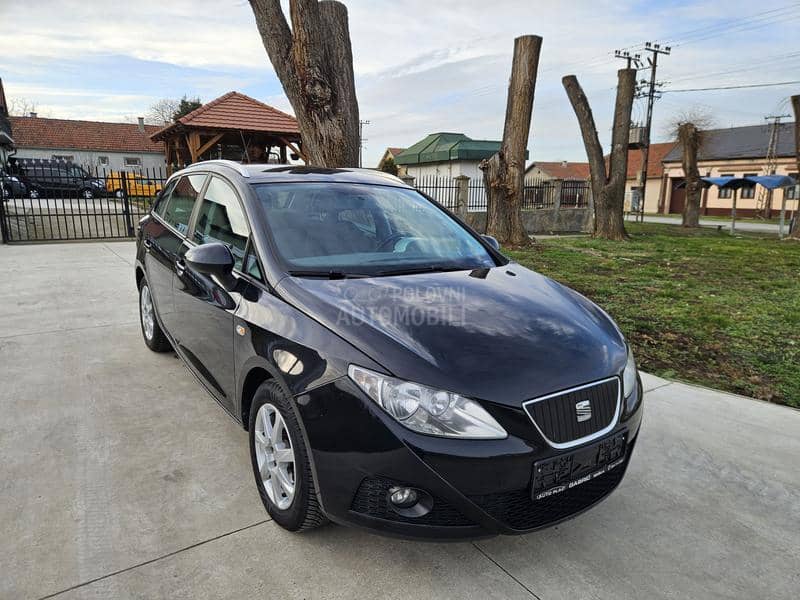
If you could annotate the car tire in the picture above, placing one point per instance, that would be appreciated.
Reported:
(34, 194)
(87, 194)
(154, 337)
(302, 511)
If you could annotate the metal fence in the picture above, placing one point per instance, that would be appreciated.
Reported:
(48, 200)
(537, 194)
(442, 189)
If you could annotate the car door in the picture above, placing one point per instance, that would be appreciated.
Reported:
(204, 309)
(162, 237)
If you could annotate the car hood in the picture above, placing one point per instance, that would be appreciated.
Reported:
(505, 334)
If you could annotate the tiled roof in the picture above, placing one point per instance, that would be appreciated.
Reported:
(563, 169)
(655, 166)
(740, 142)
(39, 132)
(236, 111)
(395, 151)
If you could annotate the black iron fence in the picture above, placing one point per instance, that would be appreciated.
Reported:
(442, 189)
(49, 200)
(538, 193)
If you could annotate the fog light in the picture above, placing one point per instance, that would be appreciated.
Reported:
(403, 497)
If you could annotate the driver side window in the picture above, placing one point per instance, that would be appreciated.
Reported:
(221, 219)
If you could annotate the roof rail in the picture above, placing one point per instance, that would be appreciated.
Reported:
(228, 163)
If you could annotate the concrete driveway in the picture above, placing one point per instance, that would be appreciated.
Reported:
(121, 478)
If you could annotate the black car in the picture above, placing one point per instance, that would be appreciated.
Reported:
(11, 186)
(56, 179)
(393, 369)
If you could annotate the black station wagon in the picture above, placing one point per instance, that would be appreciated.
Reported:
(393, 369)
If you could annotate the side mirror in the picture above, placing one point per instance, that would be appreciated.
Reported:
(491, 241)
(211, 259)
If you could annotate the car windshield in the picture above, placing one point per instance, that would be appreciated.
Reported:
(364, 230)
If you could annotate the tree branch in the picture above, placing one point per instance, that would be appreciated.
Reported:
(275, 33)
(620, 137)
(594, 151)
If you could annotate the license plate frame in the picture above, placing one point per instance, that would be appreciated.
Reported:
(557, 474)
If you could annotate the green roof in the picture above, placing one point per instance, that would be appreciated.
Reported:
(441, 147)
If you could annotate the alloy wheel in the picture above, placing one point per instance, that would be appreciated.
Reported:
(87, 194)
(148, 316)
(275, 456)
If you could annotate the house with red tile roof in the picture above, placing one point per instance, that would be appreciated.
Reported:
(94, 144)
(655, 176)
(568, 171)
(233, 126)
(392, 153)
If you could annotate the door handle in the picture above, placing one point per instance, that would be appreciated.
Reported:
(180, 266)
(147, 244)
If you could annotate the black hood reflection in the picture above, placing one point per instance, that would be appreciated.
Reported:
(495, 337)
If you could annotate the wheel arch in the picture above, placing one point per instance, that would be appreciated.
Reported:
(256, 371)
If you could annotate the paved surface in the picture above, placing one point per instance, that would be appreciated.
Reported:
(120, 478)
(752, 226)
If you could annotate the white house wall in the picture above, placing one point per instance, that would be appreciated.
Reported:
(91, 158)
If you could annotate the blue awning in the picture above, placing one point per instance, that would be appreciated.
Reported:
(731, 183)
(773, 182)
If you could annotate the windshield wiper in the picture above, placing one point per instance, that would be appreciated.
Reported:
(331, 274)
(425, 269)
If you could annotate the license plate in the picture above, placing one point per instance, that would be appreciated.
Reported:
(566, 471)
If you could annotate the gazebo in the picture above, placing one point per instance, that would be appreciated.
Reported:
(233, 126)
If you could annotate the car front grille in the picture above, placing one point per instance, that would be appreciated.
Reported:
(556, 416)
(521, 512)
(371, 500)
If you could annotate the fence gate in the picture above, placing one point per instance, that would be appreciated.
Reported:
(49, 201)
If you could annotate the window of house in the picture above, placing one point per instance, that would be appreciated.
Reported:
(726, 192)
(64, 157)
(749, 191)
(132, 161)
(791, 193)
(102, 161)
(178, 209)
(221, 219)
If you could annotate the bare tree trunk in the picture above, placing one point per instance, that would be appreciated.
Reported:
(689, 138)
(795, 232)
(608, 185)
(503, 173)
(314, 62)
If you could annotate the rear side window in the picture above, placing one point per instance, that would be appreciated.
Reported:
(221, 219)
(163, 198)
(179, 205)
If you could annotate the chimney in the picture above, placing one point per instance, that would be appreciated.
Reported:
(564, 163)
(33, 115)
(141, 124)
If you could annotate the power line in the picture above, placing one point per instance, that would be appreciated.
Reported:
(361, 140)
(733, 87)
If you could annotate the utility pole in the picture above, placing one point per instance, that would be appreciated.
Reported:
(633, 59)
(361, 140)
(655, 50)
(764, 202)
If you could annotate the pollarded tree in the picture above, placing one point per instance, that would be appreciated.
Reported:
(503, 172)
(795, 233)
(608, 184)
(314, 62)
(689, 139)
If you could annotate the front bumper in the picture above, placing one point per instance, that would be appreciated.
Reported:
(480, 488)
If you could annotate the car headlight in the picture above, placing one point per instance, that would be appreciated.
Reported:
(629, 375)
(14, 179)
(427, 410)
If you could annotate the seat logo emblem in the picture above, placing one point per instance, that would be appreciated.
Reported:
(583, 411)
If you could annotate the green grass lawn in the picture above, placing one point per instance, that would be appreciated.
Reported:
(700, 306)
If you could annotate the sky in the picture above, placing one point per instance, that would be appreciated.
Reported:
(421, 66)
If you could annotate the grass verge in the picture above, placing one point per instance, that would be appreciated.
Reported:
(696, 305)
